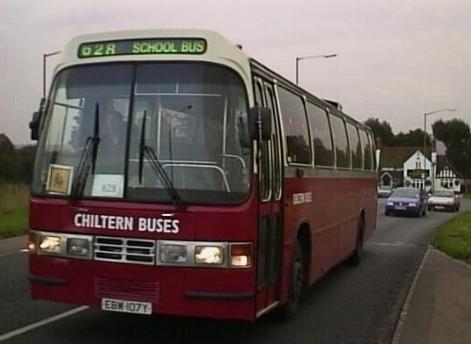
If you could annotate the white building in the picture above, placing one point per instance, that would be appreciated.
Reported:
(418, 171)
(408, 166)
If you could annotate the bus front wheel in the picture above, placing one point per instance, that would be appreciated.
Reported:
(297, 284)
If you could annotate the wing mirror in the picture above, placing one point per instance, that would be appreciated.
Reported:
(35, 123)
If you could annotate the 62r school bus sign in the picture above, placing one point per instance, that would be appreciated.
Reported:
(176, 175)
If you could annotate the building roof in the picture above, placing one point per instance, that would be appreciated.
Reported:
(395, 156)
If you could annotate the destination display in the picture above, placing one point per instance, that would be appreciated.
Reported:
(157, 46)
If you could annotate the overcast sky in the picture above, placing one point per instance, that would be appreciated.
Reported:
(396, 59)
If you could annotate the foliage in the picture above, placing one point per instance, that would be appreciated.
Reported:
(455, 237)
(384, 134)
(14, 222)
(16, 165)
(456, 135)
(13, 209)
(414, 138)
(382, 131)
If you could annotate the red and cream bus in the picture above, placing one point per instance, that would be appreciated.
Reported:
(176, 175)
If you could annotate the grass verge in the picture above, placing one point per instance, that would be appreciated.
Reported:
(13, 210)
(468, 196)
(14, 223)
(455, 238)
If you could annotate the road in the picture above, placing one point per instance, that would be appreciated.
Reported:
(350, 305)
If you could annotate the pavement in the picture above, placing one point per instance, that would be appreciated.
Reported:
(438, 307)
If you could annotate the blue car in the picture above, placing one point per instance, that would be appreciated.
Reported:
(410, 201)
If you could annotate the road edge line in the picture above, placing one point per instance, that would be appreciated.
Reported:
(405, 307)
(41, 323)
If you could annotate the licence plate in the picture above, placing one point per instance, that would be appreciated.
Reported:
(123, 306)
(400, 207)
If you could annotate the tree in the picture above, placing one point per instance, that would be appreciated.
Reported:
(456, 135)
(382, 131)
(15, 165)
(414, 138)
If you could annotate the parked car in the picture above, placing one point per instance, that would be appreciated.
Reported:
(406, 200)
(444, 199)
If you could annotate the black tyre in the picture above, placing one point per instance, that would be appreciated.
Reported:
(357, 255)
(297, 285)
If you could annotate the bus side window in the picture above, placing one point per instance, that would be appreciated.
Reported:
(295, 127)
(367, 150)
(373, 153)
(355, 147)
(340, 141)
(321, 136)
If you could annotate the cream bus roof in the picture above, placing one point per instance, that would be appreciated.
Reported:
(218, 49)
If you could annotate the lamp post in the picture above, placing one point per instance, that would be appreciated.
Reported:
(45, 56)
(326, 56)
(425, 139)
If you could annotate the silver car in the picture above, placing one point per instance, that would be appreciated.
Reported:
(444, 199)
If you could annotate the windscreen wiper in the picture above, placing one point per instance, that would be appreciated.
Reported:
(87, 159)
(149, 153)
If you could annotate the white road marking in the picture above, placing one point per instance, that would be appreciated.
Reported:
(41, 323)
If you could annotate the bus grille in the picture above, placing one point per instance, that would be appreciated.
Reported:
(127, 290)
(121, 250)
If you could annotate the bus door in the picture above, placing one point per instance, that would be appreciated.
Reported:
(269, 246)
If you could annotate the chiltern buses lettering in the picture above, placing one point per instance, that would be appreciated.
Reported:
(127, 223)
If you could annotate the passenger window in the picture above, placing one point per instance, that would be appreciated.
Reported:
(367, 150)
(373, 152)
(321, 136)
(355, 147)
(295, 128)
(341, 142)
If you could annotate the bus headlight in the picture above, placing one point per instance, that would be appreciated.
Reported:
(61, 244)
(50, 244)
(173, 253)
(212, 255)
(79, 247)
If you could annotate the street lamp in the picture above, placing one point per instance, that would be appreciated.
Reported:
(45, 56)
(309, 57)
(425, 140)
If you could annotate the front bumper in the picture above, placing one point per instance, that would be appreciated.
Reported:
(198, 292)
(402, 210)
